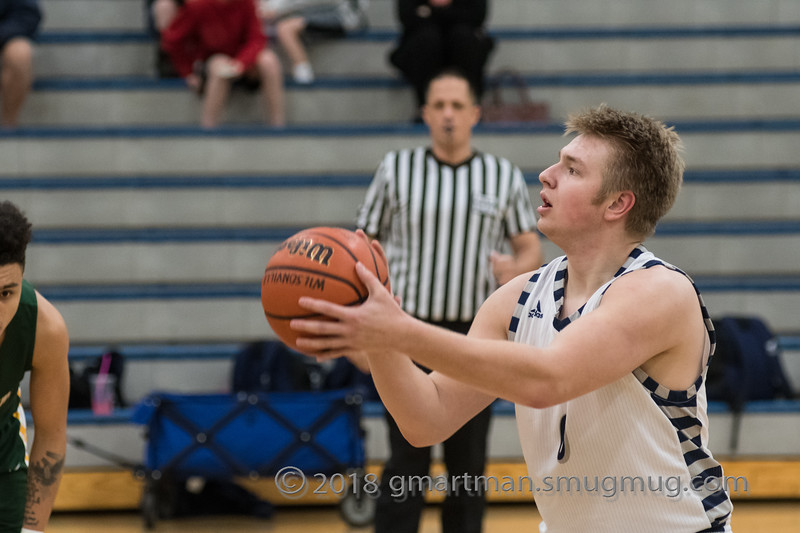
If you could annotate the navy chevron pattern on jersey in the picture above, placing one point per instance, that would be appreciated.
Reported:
(632, 427)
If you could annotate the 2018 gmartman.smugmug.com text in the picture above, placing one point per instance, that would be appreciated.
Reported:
(292, 482)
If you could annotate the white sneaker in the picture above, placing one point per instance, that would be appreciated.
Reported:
(303, 73)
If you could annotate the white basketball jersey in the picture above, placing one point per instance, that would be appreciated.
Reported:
(630, 456)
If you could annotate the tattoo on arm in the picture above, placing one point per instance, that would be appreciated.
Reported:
(41, 476)
(47, 471)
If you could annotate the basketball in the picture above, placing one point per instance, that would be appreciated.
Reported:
(321, 263)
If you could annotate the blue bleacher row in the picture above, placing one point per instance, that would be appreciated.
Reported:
(168, 181)
(499, 33)
(266, 234)
(331, 180)
(95, 82)
(228, 350)
(154, 352)
(522, 14)
(745, 70)
(783, 282)
(738, 73)
(210, 290)
(386, 82)
(277, 234)
(700, 126)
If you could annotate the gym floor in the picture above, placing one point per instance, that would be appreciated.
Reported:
(748, 517)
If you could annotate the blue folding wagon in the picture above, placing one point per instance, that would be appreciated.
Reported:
(223, 436)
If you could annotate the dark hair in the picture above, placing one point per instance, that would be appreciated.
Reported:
(15, 234)
(453, 72)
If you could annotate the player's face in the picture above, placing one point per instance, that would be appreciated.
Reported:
(10, 293)
(571, 186)
(450, 112)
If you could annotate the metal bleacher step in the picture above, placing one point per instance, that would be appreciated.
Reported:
(152, 366)
(744, 143)
(227, 199)
(342, 99)
(557, 50)
(130, 14)
(159, 312)
(214, 254)
(71, 15)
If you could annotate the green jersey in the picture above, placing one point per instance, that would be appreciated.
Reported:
(16, 358)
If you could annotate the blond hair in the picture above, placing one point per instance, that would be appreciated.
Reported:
(645, 160)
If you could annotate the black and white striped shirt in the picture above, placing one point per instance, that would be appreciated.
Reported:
(438, 224)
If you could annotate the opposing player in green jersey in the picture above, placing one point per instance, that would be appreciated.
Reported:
(33, 337)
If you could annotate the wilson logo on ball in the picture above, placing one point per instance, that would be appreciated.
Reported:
(318, 262)
(307, 247)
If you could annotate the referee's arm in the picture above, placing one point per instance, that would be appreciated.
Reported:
(526, 256)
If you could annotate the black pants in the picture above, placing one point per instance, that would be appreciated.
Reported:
(399, 507)
(432, 47)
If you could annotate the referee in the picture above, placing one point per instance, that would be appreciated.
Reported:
(443, 214)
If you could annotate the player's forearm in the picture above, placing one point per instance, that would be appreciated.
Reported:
(44, 475)
(498, 368)
(410, 397)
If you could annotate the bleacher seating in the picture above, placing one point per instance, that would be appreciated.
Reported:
(152, 235)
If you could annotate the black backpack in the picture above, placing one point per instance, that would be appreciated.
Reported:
(745, 367)
(271, 366)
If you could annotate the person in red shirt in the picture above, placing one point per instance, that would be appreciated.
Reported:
(225, 39)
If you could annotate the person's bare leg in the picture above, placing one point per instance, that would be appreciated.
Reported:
(217, 88)
(163, 12)
(271, 75)
(16, 79)
(289, 33)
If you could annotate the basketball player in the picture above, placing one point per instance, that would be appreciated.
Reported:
(33, 337)
(444, 211)
(604, 350)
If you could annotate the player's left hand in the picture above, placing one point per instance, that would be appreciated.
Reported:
(353, 330)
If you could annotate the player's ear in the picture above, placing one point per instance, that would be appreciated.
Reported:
(620, 203)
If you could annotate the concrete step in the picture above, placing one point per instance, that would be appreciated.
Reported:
(732, 193)
(745, 144)
(707, 249)
(120, 15)
(376, 100)
(776, 302)
(206, 316)
(95, 54)
(153, 367)
(202, 261)
(129, 14)
(689, 13)
(258, 201)
(231, 312)
(147, 101)
(216, 255)
(564, 50)
(150, 367)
